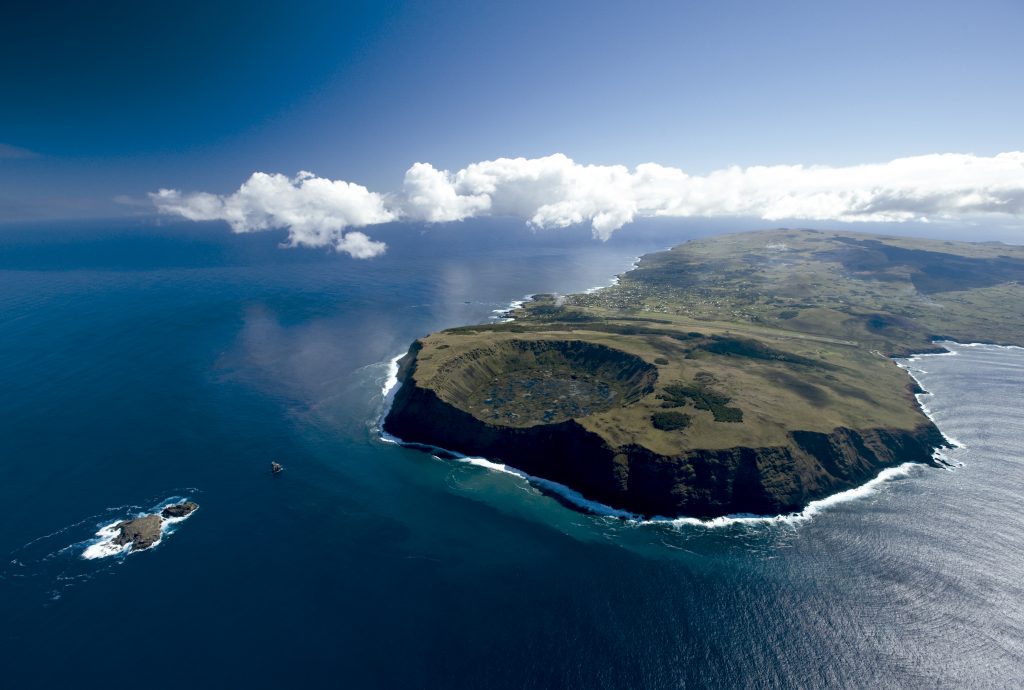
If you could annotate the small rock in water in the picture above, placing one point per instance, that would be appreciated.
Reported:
(179, 510)
(141, 532)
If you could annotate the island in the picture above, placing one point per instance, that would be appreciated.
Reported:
(748, 373)
(145, 531)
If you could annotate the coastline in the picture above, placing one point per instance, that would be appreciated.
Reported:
(578, 501)
(906, 364)
(505, 315)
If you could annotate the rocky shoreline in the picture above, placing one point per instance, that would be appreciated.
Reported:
(702, 483)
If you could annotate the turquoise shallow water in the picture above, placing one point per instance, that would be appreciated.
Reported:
(143, 363)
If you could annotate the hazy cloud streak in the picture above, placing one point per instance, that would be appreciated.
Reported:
(15, 152)
(555, 192)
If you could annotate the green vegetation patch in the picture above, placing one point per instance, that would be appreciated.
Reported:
(559, 313)
(754, 349)
(670, 421)
(703, 398)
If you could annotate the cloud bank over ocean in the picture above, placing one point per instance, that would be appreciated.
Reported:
(556, 192)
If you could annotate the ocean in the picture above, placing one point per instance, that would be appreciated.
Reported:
(145, 362)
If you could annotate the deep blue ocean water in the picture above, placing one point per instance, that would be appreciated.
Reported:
(140, 363)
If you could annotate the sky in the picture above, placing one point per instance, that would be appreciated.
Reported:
(126, 108)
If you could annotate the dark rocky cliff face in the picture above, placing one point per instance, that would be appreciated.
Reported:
(697, 483)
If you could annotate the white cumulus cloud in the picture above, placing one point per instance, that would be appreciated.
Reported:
(555, 191)
(316, 211)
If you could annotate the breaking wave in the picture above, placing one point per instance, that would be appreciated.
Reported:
(912, 366)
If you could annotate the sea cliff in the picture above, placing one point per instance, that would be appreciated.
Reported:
(701, 483)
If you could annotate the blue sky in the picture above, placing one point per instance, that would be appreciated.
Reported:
(116, 100)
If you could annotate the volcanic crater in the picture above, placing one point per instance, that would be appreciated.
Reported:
(522, 383)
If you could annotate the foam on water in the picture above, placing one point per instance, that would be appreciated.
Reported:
(617, 278)
(502, 315)
(813, 508)
(571, 495)
(984, 345)
(391, 378)
(104, 545)
(910, 365)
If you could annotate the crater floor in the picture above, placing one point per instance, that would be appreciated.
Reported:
(540, 396)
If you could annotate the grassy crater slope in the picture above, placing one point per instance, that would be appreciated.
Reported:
(748, 373)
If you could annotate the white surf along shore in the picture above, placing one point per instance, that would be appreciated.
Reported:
(103, 546)
(911, 365)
